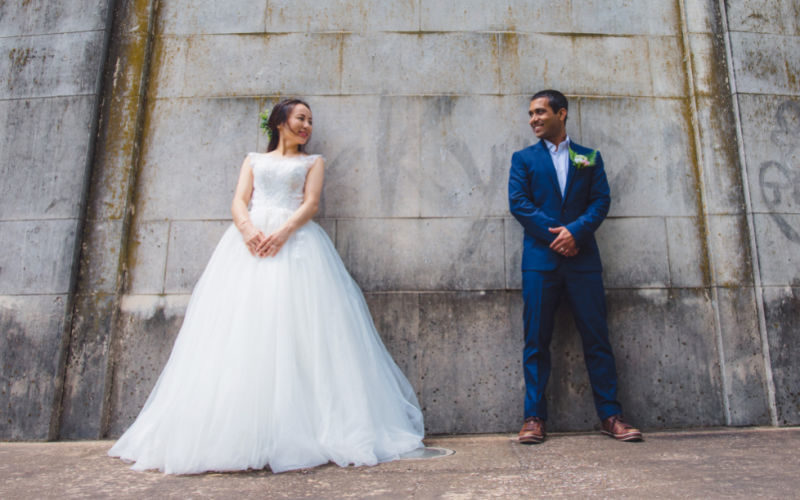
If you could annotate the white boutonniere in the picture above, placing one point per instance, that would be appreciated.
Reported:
(582, 161)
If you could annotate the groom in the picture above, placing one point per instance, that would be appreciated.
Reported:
(558, 191)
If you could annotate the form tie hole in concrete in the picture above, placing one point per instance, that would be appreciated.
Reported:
(425, 453)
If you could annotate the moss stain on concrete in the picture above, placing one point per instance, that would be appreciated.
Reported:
(91, 350)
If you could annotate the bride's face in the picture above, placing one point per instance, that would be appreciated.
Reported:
(297, 128)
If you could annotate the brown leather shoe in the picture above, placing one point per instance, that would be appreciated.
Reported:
(617, 428)
(532, 431)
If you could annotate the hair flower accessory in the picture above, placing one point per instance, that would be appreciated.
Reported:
(582, 161)
(264, 125)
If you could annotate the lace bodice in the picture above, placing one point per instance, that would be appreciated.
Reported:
(278, 182)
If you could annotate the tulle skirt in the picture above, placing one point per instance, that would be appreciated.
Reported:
(277, 364)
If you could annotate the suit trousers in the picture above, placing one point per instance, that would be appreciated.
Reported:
(542, 291)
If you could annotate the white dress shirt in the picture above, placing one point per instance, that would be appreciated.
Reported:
(560, 156)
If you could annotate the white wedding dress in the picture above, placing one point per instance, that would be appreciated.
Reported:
(278, 362)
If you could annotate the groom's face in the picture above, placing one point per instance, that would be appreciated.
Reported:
(545, 123)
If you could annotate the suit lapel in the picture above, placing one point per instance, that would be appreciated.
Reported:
(550, 168)
(570, 174)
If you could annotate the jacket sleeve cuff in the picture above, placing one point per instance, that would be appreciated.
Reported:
(577, 232)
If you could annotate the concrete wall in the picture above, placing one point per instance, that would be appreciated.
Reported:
(52, 59)
(418, 106)
(764, 47)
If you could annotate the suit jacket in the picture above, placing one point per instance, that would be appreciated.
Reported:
(535, 201)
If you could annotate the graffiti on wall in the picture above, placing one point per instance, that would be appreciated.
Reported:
(780, 180)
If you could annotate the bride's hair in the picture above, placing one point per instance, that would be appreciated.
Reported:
(280, 114)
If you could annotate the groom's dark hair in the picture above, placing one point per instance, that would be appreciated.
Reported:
(555, 99)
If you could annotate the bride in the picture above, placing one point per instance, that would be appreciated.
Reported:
(277, 362)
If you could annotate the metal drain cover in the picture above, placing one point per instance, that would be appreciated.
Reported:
(425, 453)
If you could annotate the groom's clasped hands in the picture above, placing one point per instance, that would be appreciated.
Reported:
(564, 243)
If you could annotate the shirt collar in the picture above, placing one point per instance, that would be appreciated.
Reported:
(552, 147)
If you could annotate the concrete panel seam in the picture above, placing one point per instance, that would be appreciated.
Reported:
(698, 158)
(475, 290)
(52, 96)
(166, 252)
(340, 55)
(335, 233)
(648, 97)
(43, 219)
(441, 217)
(505, 253)
(756, 267)
(560, 34)
(419, 32)
(32, 294)
(264, 19)
(776, 94)
(34, 35)
(749, 32)
(669, 261)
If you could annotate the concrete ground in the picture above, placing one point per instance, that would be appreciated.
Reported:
(742, 463)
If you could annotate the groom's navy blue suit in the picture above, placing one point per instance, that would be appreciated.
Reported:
(535, 200)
